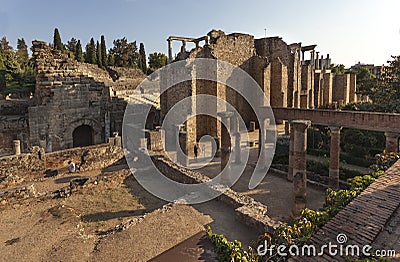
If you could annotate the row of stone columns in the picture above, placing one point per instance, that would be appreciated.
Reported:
(297, 159)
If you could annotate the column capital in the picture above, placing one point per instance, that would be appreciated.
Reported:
(392, 134)
(226, 114)
(302, 124)
(335, 129)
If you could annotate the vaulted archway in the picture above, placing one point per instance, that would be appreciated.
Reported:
(83, 136)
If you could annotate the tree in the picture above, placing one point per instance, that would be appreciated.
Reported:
(57, 43)
(157, 60)
(125, 54)
(22, 52)
(142, 63)
(91, 52)
(337, 69)
(11, 65)
(2, 71)
(384, 91)
(78, 52)
(71, 46)
(98, 55)
(103, 51)
(110, 59)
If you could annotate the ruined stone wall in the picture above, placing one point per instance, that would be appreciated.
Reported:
(37, 161)
(341, 89)
(327, 89)
(13, 127)
(89, 158)
(274, 48)
(67, 96)
(70, 94)
(353, 88)
(307, 83)
(279, 83)
(23, 165)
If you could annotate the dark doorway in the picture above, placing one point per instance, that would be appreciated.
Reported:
(83, 136)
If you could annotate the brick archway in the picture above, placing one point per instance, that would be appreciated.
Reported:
(97, 132)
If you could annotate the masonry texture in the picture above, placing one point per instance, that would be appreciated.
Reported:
(286, 78)
(75, 104)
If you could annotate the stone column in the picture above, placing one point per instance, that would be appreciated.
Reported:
(334, 157)
(169, 51)
(262, 138)
(225, 137)
(312, 57)
(392, 141)
(302, 57)
(299, 166)
(181, 147)
(238, 156)
(317, 61)
(17, 147)
(183, 48)
(291, 142)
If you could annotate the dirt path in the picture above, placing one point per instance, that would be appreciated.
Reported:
(78, 227)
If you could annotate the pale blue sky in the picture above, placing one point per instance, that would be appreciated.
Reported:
(350, 31)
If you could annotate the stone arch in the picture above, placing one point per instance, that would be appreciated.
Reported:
(82, 136)
(97, 134)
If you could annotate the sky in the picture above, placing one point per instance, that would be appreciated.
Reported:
(351, 31)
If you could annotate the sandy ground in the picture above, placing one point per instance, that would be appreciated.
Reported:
(82, 226)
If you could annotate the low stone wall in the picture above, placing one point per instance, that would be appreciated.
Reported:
(18, 193)
(250, 212)
(89, 158)
(22, 164)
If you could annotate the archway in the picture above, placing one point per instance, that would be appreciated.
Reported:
(82, 136)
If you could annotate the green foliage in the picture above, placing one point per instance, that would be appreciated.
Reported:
(230, 251)
(78, 52)
(111, 59)
(124, 53)
(157, 60)
(91, 56)
(142, 63)
(98, 55)
(103, 51)
(22, 52)
(337, 69)
(384, 91)
(57, 43)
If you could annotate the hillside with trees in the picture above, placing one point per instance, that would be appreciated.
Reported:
(17, 72)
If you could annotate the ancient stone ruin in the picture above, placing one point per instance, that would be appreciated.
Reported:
(75, 104)
(280, 69)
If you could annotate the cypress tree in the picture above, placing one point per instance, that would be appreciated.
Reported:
(142, 59)
(91, 52)
(2, 71)
(78, 52)
(57, 44)
(103, 51)
(98, 55)
(22, 52)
